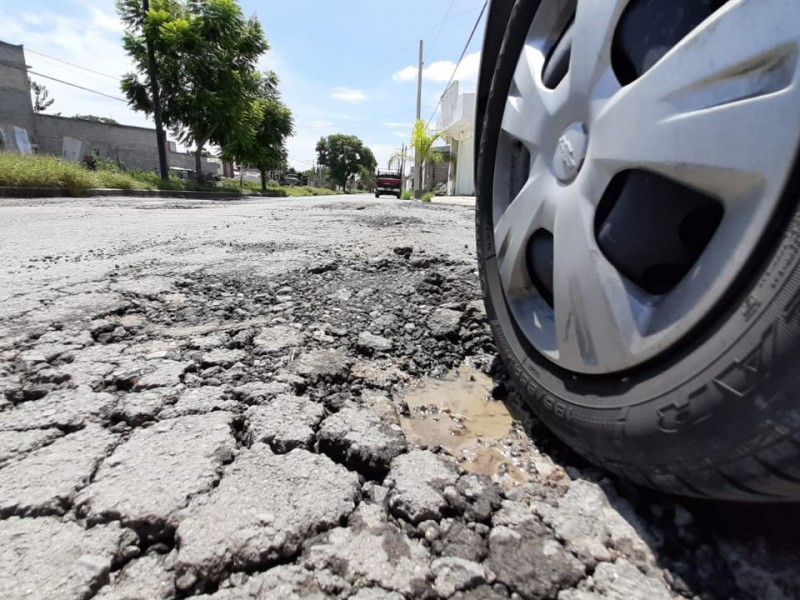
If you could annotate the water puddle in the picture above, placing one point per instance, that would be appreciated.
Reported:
(459, 414)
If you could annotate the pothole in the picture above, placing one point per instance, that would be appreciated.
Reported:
(459, 414)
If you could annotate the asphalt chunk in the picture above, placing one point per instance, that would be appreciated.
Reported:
(46, 558)
(417, 482)
(285, 423)
(264, 508)
(68, 410)
(358, 438)
(150, 477)
(46, 481)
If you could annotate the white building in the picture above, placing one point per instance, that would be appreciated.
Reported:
(457, 126)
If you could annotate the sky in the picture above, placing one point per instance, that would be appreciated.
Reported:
(345, 66)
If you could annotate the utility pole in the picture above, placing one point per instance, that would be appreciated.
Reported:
(417, 174)
(403, 168)
(152, 69)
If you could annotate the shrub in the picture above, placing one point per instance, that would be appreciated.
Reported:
(406, 195)
(427, 197)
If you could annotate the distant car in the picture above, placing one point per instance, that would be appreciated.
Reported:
(388, 183)
(638, 233)
(182, 174)
(291, 180)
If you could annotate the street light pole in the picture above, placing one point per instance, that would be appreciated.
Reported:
(152, 69)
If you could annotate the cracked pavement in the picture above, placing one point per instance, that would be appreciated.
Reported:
(246, 400)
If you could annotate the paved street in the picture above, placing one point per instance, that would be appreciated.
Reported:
(291, 398)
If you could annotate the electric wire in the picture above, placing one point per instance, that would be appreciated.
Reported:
(458, 64)
(66, 62)
(75, 85)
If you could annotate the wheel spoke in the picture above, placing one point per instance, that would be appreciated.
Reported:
(531, 106)
(593, 34)
(532, 209)
(596, 327)
(716, 113)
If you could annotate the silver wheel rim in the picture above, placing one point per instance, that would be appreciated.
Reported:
(720, 113)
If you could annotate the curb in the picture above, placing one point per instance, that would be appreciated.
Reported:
(34, 192)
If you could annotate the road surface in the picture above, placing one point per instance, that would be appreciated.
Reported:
(293, 398)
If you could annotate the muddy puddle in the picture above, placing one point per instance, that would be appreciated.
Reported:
(459, 414)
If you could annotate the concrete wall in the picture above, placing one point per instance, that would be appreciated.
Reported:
(465, 168)
(16, 106)
(135, 147)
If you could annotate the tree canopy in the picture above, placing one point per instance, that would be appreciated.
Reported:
(344, 155)
(206, 53)
(422, 143)
(106, 120)
(262, 142)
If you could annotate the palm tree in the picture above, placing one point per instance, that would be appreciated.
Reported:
(422, 143)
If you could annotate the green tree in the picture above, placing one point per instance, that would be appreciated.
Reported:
(106, 120)
(344, 155)
(206, 53)
(367, 178)
(398, 159)
(41, 97)
(422, 143)
(261, 142)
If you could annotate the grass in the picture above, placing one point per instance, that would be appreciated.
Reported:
(407, 195)
(17, 170)
(427, 197)
(254, 187)
(43, 171)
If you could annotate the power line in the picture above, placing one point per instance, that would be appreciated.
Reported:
(72, 64)
(407, 46)
(458, 64)
(80, 87)
(441, 25)
(75, 85)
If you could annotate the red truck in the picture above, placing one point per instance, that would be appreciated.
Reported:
(388, 182)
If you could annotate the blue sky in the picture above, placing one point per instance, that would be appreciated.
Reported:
(346, 66)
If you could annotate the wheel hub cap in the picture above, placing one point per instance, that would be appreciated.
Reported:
(570, 152)
(610, 256)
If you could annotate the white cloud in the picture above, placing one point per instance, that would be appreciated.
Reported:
(440, 71)
(407, 74)
(345, 94)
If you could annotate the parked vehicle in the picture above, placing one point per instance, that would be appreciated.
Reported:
(639, 236)
(388, 182)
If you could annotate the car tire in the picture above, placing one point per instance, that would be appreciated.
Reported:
(715, 413)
